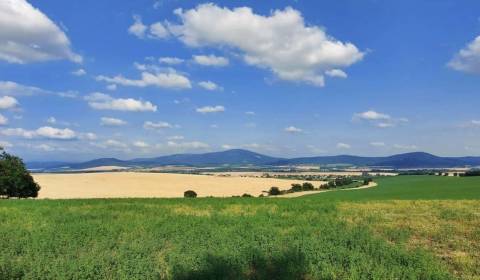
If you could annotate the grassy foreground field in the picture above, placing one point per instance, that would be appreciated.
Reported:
(409, 227)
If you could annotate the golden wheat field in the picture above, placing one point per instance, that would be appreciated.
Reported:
(136, 184)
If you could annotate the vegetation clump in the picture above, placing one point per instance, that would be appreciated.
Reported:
(15, 180)
(190, 194)
(274, 191)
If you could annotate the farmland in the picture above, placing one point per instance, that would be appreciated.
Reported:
(408, 227)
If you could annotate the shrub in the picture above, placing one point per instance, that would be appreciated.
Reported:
(247, 195)
(274, 191)
(308, 186)
(296, 188)
(324, 186)
(190, 194)
(15, 180)
(331, 184)
(367, 181)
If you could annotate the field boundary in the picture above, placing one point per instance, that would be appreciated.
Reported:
(304, 193)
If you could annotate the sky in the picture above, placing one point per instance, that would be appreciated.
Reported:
(126, 79)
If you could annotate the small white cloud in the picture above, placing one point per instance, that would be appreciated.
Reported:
(211, 60)
(377, 144)
(384, 125)
(56, 133)
(210, 109)
(88, 136)
(79, 72)
(158, 31)
(111, 87)
(5, 144)
(293, 129)
(336, 73)
(250, 113)
(141, 144)
(176, 137)
(101, 101)
(3, 120)
(44, 147)
(105, 121)
(227, 147)
(209, 85)
(468, 58)
(111, 143)
(343, 146)
(156, 125)
(137, 29)
(52, 120)
(372, 115)
(8, 102)
(14, 89)
(188, 145)
(170, 79)
(170, 60)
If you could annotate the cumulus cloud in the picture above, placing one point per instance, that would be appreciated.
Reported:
(377, 119)
(293, 129)
(468, 58)
(209, 85)
(281, 41)
(343, 146)
(156, 30)
(101, 101)
(105, 121)
(188, 145)
(170, 79)
(141, 144)
(170, 60)
(8, 102)
(156, 125)
(211, 60)
(15, 89)
(28, 35)
(3, 120)
(336, 73)
(42, 132)
(79, 72)
(210, 109)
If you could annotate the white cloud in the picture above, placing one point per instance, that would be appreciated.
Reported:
(156, 30)
(170, 60)
(156, 125)
(384, 125)
(372, 115)
(56, 133)
(5, 144)
(169, 79)
(8, 102)
(141, 144)
(42, 132)
(137, 28)
(211, 60)
(293, 129)
(336, 73)
(377, 144)
(44, 147)
(27, 35)
(210, 109)
(250, 113)
(280, 41)
(105, 121)
(475, 122)
(176, 137)
(343, 146)
(208, 85)
(79, 72)
(101, 101)
(114, 144)
(227, 147)
(51, 120)
(468, 58)
(3, 120)
(15, 89)
(405, 147)
(88, 136)
(112, 87)
(188, 145)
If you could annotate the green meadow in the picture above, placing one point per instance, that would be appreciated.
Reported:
(408, 227)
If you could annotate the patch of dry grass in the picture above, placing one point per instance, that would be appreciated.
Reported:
(448, 228)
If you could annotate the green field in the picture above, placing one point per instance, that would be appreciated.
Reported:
(409, 227)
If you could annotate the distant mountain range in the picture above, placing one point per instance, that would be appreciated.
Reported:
(239, 157)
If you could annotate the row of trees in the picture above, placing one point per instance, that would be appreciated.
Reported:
(15, 180)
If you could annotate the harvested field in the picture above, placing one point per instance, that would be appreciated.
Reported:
(136, 184)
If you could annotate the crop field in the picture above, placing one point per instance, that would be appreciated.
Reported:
(137, 184)
(408, 227)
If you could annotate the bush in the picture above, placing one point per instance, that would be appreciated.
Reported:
(308, 186)
(331, 184)
(367, 181)
(296, 188)
(247, 195)
(325, 186)
(190, 194)
(274, 191)
(471, 173)
(15, 180)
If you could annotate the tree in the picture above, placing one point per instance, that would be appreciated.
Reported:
(15, 180)
(296, 188)
(308, 186)
(190, 194)
(274, 191)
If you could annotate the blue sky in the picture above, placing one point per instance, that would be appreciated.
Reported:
(87, 79)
